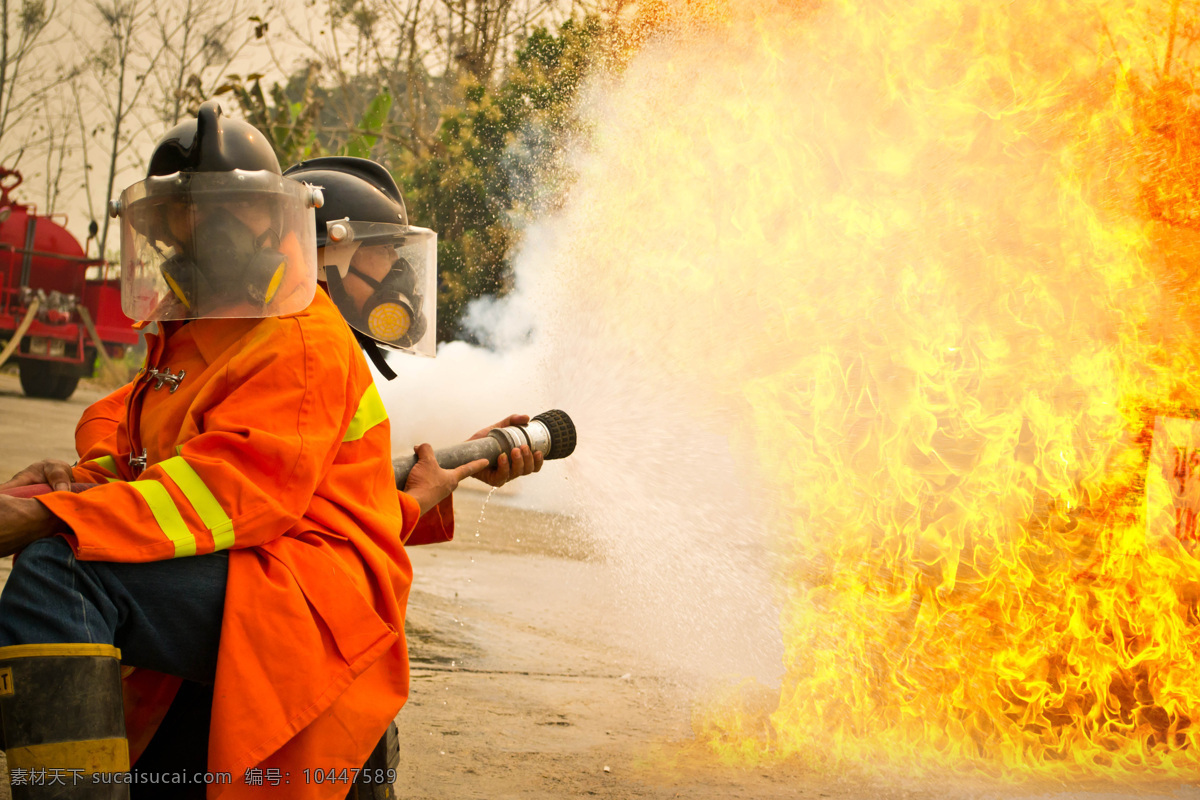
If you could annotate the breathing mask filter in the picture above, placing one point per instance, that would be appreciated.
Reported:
(217, 244)
(383, 278)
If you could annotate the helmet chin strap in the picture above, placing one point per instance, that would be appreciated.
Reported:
(375, 354)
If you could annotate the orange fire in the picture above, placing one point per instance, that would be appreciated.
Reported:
(938, 259)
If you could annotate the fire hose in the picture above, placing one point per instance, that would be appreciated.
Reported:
(551, 433)
(15, 341)
(91, 329)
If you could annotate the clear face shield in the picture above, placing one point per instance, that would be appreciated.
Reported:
(217, 244)
(383, 278)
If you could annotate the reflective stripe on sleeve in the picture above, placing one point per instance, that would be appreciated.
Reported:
(370, 413)
(206, 505)
(108, 464)
(167, 516)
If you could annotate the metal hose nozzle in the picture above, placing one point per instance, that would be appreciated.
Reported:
(550, 433)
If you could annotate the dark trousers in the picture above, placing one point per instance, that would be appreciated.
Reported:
(163, 615)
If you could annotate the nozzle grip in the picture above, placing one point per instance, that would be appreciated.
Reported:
(550, 433)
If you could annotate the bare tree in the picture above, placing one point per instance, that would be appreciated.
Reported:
(76, 91)
(58, 149)
(27, 71)
(119, 63)
(145, 66)
(206, 38)
(134, 67)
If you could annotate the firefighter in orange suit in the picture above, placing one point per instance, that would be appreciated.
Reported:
(378, 270)
(245, 530)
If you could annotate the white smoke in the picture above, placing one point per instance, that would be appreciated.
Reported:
(654, 480)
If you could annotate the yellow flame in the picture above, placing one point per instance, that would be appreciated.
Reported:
(937, 260)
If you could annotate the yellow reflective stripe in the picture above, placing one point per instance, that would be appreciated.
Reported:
(88, 756)
(58, 650)
(207, 507)
(167, 516)
(370, 413)
(108, 464)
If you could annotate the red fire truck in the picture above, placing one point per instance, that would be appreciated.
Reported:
(58, 307)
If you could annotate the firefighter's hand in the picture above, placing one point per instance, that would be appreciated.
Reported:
(23, 521)
(55, 473)
(429, 484)
(521, 461)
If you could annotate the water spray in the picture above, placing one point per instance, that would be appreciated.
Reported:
(551, 433)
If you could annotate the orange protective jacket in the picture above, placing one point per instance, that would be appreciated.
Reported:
(274, 445)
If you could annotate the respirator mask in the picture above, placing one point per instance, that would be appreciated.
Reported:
(235, 264)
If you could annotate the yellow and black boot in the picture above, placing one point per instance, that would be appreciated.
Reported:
(62, 723)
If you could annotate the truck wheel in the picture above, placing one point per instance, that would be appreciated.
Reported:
(66, 386)
(48, 379)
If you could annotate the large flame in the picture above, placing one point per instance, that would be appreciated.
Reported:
(935, 259)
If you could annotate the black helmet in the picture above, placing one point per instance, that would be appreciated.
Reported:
(381, 271)
(211, 143)
(215, 230)
(354, 188)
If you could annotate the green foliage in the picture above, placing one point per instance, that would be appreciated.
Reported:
(290, 126)
(373, 120)
(481, 179)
